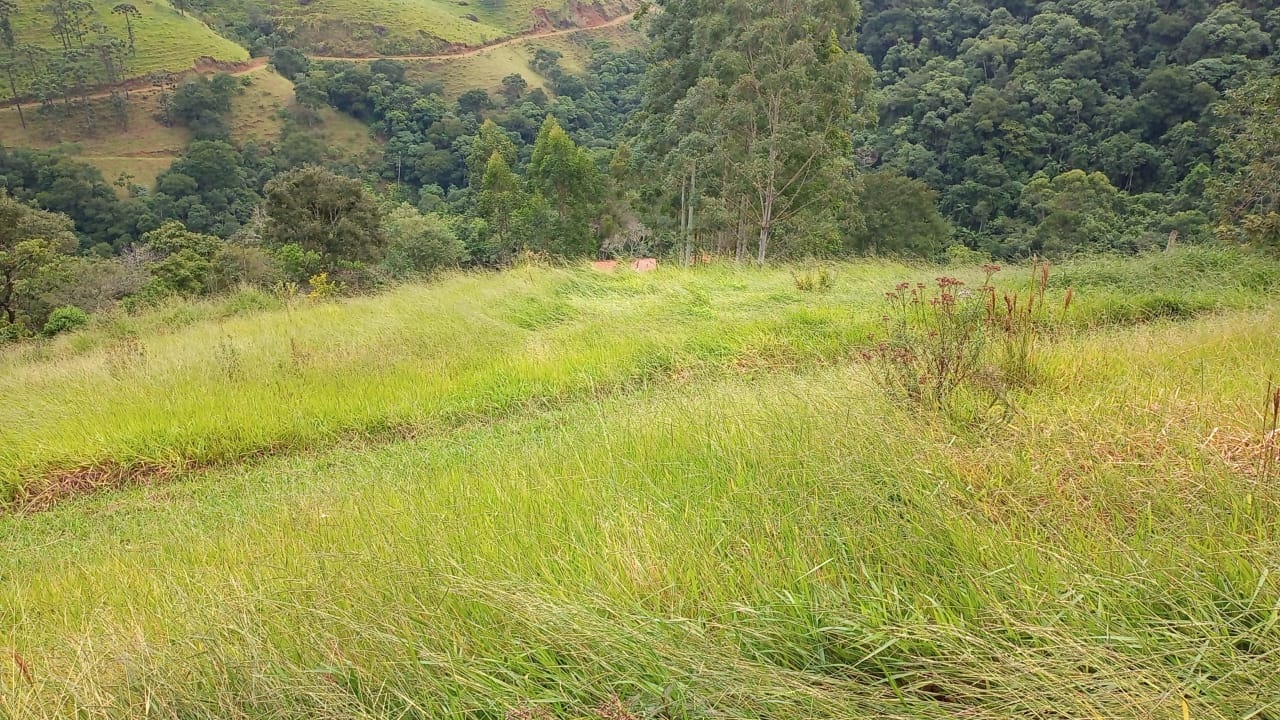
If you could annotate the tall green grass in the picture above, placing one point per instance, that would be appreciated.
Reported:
(193, 385)
(780, 544)
(419, 359)
(551, 493)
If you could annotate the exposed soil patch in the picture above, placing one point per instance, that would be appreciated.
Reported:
(587, 15)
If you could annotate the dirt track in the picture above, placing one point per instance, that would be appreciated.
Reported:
(252, 65)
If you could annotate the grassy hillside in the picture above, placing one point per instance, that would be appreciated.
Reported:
(557, 494)
(165, 40)
(487, 68)
(147, 148)
(400, 27)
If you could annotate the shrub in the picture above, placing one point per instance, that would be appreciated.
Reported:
(236, 265)
(323, 288)
(297, 263)
(418, 243)
(248, 300)
(65, 319)
(961, 256)
(13, 332)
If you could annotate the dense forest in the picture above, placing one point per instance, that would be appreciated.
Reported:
(754, 129)
(1010, 110)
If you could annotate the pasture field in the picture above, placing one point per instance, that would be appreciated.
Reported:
(487, 68)
(555, 493)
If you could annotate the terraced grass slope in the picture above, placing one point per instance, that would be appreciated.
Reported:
(165, 39)
(557, 494)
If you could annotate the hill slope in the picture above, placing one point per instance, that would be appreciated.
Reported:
(557, 494)
(408, 27)
(165, 39)
(147, 147)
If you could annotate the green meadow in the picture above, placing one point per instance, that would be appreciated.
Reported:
(555, 493)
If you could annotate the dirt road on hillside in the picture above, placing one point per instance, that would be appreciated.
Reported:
(473, 51)
(205, 66)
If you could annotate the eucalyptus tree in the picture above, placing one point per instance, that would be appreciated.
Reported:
(772, 92)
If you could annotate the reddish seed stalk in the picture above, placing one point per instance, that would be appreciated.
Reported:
(23, 668)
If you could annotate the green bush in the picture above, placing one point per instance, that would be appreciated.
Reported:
(418, 243)
(961, 256)
(12, 332)
(65, 319)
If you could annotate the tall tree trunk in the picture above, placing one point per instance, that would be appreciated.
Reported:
(770, 192)
(684, 216)
(740, 233)
(766, 218)
(693, 188)
(766, 204)
(6, 298)
(17, 102)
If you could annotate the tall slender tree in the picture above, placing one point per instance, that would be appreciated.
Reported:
(128, 11)
(565, 177)
(9, 8)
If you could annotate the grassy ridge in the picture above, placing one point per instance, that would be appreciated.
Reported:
(469, 347)
(486, 69)
(781, 544)
(165, 40)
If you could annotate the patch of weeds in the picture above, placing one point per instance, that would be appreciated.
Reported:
(947, 347)
(1168, 306)
(323, 287)
(228, 358)
(126, 354)
(249, 300)
(819, 279)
